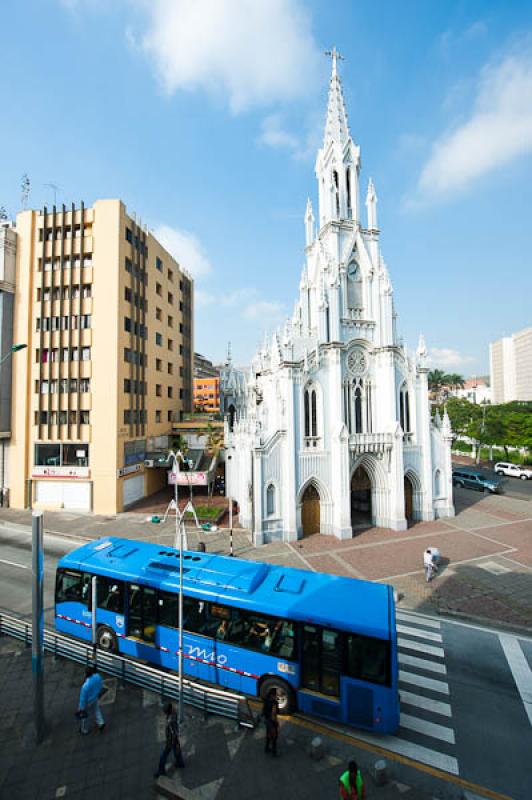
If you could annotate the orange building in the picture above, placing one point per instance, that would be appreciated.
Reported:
(207, 394)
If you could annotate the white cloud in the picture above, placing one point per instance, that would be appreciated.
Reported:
(185, 248)
(498, 130)
(252, 52)
(446, 358)
(264, 311)
(274, 135)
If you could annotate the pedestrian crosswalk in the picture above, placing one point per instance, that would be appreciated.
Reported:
(426, 730)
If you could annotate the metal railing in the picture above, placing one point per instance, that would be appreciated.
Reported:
(209, 699)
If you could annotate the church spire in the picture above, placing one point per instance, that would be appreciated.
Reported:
(336, 123)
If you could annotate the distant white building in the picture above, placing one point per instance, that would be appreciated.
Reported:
(511, 367)
(331, 428)
(476, 390)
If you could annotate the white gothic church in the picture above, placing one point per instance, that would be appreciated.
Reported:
(331, 430)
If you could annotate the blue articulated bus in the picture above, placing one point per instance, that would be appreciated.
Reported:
(327, 644)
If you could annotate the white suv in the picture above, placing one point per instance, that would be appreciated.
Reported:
(513, 470)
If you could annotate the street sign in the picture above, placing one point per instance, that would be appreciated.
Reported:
(187, 478)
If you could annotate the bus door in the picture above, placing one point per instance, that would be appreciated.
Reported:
(321, 661)
(142, 622)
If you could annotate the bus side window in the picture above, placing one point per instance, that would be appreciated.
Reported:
(169, 609)
(110, 593)
(283, 639)
(367, 659)
(194, 614)
(69, 587)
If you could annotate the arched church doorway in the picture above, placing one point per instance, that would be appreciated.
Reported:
(360, 499)
(409, 499)
(310, 511)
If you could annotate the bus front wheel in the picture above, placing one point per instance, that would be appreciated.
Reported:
(285, 694)
(106, 639)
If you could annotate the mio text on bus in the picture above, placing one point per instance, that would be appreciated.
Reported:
(328, 644)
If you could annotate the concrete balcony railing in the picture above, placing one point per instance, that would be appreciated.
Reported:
(371, 442)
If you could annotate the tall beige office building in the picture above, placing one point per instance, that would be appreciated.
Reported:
(511, 367)
(106, 313)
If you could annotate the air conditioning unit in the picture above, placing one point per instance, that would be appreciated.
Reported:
(149, 462)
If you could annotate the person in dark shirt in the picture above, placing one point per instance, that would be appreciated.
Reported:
(270, 711)
(172, 742)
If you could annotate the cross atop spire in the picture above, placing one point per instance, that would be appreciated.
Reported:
(334, 54)
(336, 125)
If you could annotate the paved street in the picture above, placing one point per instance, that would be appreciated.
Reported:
(453, 676)
(222, 761)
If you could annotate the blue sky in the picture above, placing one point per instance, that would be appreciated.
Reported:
(205, 118)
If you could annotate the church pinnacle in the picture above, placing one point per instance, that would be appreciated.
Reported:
(336, 124)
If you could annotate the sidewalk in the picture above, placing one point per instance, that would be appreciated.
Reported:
(222, 761)
(485, 573)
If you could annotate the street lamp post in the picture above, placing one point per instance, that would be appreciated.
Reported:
(178, 545)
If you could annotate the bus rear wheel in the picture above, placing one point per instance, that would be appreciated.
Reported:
(106, 639)
(285, 694)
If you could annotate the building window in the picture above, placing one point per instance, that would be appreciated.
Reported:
(127, 324)
(437, 483)
(170, 276)
(310, 409)
(270, 500)
(170, 368)
(158, 339)
(84, 417)
(170, 321)
(158, 364)
(170, 392)
(129, 235)
(158, 289)
(169, 416)
(86, 290)
(404, 409)
(170, 297)
(158, 314)
(170, 344)
(157, 416)
(158, 390)
(159, 264)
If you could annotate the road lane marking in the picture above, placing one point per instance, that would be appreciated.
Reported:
(521, 672)
(419, 647)
(431, 729)
(417, 700)
(13, 564)
(430, 635)
(406, 616)
(422, 663)
(425, 683)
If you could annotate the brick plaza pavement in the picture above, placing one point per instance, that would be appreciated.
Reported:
(485, 573)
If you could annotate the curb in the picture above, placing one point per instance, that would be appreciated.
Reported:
(47, 531)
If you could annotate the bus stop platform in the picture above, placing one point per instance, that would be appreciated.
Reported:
(222, 761)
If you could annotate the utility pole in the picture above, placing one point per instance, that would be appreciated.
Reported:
(37, 623)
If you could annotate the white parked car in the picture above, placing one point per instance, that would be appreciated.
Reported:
(513, 470)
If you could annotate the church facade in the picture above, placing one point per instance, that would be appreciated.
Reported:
(330, 431)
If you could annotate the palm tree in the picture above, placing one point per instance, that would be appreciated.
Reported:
(436, 379)
(215, 443)
(454, 380)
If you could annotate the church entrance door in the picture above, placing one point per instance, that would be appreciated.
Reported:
(409, 500)
(360, 499)
(310, 511)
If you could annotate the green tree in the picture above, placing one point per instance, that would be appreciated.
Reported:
(436, 379)
(454, 380)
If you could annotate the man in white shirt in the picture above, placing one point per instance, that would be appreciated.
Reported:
(430, 556)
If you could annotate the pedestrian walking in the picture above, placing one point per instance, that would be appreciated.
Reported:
(352, 785)
(172, 743)
(270, 711)
(89, 704)
(429, 563)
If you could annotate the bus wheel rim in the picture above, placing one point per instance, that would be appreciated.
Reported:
(106, 640)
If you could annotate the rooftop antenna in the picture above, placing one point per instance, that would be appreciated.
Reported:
(335, 55)
(24, 191)
(55, 188)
